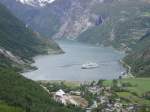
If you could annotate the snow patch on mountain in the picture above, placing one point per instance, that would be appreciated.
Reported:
(36, 3)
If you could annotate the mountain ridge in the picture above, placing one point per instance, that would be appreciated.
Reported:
(117, 23)
(36, 3)
(19, 43)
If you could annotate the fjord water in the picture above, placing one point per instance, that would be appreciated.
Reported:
(67, 66)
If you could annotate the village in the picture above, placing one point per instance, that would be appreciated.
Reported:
(92, 96)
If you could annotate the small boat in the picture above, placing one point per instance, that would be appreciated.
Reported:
(89, 65)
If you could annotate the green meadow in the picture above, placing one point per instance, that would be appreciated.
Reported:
(135, 91)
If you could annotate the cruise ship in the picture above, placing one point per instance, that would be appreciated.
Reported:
(89, 65)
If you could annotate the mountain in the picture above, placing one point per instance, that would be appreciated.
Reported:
(61, 18)
(18, 45)
(139, 59)
(41, 19)
(125, 23)
(117, 23)
(126, 28)
(36, 3)
(70, 18)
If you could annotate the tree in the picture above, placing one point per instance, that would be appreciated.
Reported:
(100, 83)
(115, 83)
(92, 83)
(28, 104)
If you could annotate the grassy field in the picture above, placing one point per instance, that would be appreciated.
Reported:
(139, 86)
(6, 108)
(132, 98)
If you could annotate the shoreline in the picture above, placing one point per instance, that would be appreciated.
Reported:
(29, 67)
(128, 73)
(60, 51)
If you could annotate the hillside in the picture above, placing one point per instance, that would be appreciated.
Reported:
(18, 45)
(18, 91)
(35, 16)
(6, 108)
(139, 59)
(126, 28)
(124, 22)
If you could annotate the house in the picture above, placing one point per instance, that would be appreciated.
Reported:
(60, 96)
(95, 89)
(78, 93)
(60, 93)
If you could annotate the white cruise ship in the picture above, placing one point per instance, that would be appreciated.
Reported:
(89, 65)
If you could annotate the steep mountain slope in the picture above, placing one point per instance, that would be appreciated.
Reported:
(41, 19)
(139, 59)
(64, 18)
(126, 28)
(70, 18)
(18, 91)
(126, 22)
(17, 45)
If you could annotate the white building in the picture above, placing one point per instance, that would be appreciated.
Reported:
(62, 97)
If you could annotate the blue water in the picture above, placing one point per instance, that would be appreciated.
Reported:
(68, 66)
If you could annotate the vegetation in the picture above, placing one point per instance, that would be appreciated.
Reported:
(139, 59)
(21, 92)
(64, 85)
(133, 90)
(126, 27)
(128, 97)
(7, 108)
(18, 93)
(138, 85)
(18, 39)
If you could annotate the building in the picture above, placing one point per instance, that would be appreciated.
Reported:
(60, 96)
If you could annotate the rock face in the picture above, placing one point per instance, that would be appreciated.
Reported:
(71, 18)
(118, 23)
(19, 44)
(39, 18)
(7, 54)
(59, 18)
(76, 20)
